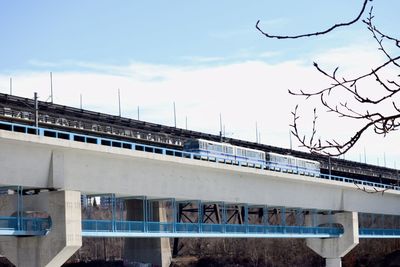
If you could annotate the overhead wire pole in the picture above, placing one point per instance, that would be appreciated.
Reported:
(36, 112)
(119, 102)
(10, 86)
(220, 126)
(51, 87)
(174, 115)
(80, 100)
(256, 133)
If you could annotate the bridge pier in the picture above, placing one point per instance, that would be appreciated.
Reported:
(64, 238)
(333, 249)
(156, 251)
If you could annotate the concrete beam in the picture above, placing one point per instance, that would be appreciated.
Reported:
(37, 161)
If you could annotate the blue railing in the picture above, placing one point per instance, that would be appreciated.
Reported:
(10, 225)
(41, 226)
(119, 228)
(358, 182)
(379, 233)
(167, 151)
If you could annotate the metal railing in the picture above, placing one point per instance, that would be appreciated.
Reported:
(13, 225)
(120, 228)
(379, 233)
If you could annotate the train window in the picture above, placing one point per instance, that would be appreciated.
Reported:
(241, 152)
(202, 145)
(301, 163)
(250, 154)
(228, 150)
(281, 159)
(193, 144)
(218, 148)
(210, 146)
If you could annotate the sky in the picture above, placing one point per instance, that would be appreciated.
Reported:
(205, 56)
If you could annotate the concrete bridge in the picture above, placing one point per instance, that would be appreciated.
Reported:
(73, 168)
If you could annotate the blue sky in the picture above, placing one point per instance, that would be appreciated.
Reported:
(169, 32)
(158, 52)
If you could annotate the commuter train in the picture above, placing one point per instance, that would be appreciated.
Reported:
(224, 152)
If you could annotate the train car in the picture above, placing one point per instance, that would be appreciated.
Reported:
(228, 153)
(290, 164)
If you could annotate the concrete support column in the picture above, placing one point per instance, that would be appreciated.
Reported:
(63, 240)
(156, 251)
(333, 249)
(333, 262)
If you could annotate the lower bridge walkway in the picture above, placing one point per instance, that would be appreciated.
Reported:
(157, 218)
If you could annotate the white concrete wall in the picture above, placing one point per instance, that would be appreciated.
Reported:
(35, 161)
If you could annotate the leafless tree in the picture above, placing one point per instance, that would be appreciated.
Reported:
(360, 104)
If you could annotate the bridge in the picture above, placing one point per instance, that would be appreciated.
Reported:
(55, 171)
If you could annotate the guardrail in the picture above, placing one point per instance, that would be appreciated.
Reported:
(24, 226)
(171, 229)
(379, 233)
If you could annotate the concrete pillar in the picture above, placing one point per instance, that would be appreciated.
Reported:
(333, 262)
(333, 249)
(156, 251)
(63, 240)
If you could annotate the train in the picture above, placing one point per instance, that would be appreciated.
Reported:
(236, 155)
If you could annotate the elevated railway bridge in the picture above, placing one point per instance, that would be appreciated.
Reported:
(55, 160)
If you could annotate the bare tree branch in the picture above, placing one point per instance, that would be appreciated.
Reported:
(384, 90)
(343, 24)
